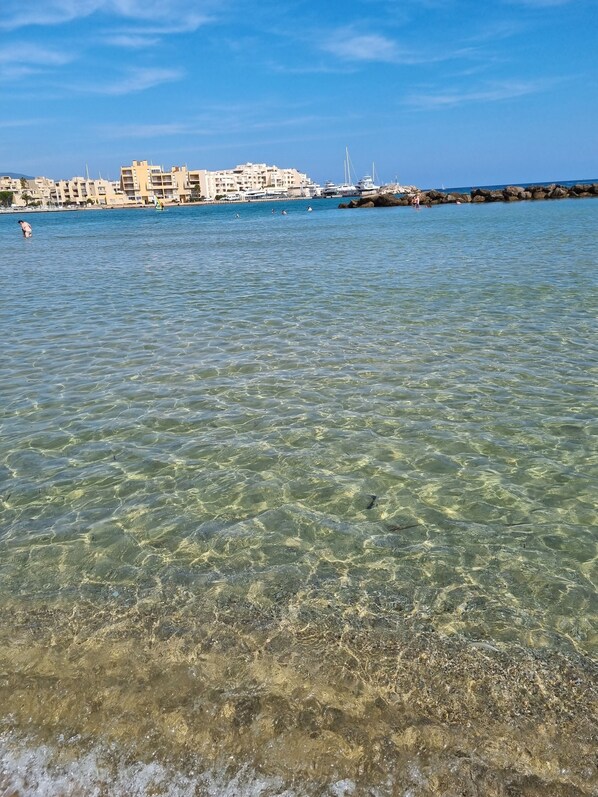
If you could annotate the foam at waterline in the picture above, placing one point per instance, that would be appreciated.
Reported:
(38, 771)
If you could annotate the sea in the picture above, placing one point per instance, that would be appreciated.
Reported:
(299, 505)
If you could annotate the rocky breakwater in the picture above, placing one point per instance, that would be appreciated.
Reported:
(512, 193)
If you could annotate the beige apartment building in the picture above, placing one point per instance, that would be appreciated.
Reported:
(143, 183)
(43, 192)
(28, 191)
(250, 179)
(85, 191)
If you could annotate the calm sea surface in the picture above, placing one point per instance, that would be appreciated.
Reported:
(299, 505)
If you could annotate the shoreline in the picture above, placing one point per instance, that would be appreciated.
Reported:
(12, 211)
(437, 196)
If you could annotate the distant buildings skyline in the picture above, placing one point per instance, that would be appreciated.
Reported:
(143, 183)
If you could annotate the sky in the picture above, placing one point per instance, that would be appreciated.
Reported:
(433, 92)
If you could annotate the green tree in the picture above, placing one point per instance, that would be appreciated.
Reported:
(6, 198)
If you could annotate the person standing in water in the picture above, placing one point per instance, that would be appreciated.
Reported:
(26, 228)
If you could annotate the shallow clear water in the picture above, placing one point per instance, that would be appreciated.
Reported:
(300, 504)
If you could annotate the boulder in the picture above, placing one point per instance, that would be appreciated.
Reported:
(512, 193)
(385, 201)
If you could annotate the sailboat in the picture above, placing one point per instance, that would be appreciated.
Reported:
(346, 188)
(157, 204)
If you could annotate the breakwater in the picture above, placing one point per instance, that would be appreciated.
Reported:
(512, 193)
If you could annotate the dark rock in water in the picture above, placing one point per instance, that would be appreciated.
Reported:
(512, 193)
(386, 201)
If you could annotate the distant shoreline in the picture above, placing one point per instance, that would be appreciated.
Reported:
(450, 190)
(12, 211)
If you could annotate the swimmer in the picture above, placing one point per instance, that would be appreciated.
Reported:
(309, 209)
(26, 228)
(284, 213)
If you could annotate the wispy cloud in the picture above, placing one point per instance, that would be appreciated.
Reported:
(224, 122)
(20, 60)
(492, 93)
(349, 46)
(362, 47)
(131, 41)
(137, 79)
(9, 124)
(16, 14)
(136, 131)
(171, 15)
(23, 53)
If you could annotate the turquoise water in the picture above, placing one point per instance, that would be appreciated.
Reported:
(299, 504)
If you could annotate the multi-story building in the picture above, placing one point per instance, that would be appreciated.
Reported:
(144, 183)
(28, 191)
(85, 191)
(13, 185)
(257, 179)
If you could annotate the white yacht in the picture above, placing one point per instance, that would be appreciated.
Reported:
(367, 186)
(346, 188)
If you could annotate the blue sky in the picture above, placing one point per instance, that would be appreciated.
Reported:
(457, 92)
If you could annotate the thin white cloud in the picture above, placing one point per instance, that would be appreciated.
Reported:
(17, 14)
(147, 130)
(224, 122)
(9, 124)
(20, 60)
(170, 15)
(362, 47)
(131, 41)
(23, 53)
(494, 93)
(351, 47)
(138, 79)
